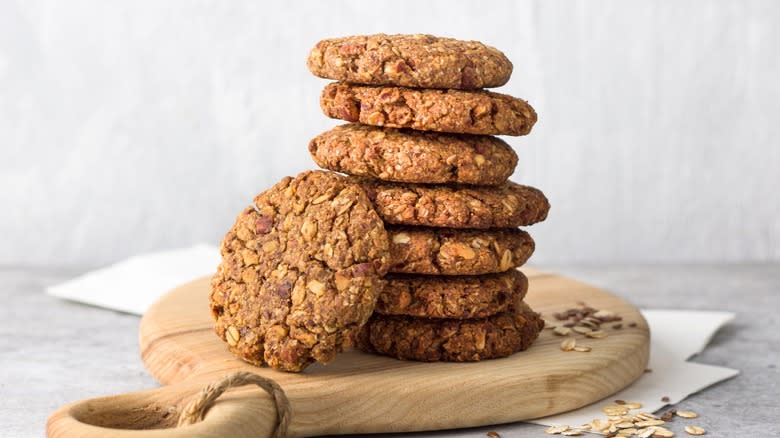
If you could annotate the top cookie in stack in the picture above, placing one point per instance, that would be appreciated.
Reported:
(423, 150)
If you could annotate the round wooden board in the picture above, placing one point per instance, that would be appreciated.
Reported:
(358, 392)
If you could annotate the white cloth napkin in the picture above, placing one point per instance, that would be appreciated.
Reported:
(134, 284)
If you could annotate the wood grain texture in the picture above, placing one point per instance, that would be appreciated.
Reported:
(361, 393)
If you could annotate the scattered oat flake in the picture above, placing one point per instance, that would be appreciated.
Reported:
(695, 430)
(581, 329)
(582, 348)
(633, 405)
(649, 423)
(568, 344)
(663, 432)
(596, 334)
(561, 331)
(552, 430)
(646, 433)
(571, 432)
(687, 414)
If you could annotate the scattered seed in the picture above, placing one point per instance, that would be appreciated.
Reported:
(552, 430)
(687, 414)
(617, 326)
(632, 324)
(665, 399)
(695, 430)
(568, 344)
(620, 402)
(493, 434)
(648, 370)
(667, 416)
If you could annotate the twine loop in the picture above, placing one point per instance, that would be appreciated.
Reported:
(196, 409)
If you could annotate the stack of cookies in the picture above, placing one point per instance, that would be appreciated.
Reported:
(421, 144)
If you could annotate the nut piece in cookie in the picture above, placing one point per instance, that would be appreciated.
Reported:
(444, 251)
(406, 155)
(421, 61)
(509, 205)
(463, 112)
(456, 297)
(300, 273)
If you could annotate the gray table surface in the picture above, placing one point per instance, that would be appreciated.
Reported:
(53, 352)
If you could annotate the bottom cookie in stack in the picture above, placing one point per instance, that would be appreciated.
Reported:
(455, 319)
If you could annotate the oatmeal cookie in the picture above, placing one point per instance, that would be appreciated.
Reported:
(458, 297)
(463, 112)
(444, 251)
(509, 205)
(414, 156)
(300, 273)
(422, 61)
(430, 340)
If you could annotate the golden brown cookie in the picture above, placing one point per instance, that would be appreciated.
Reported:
(509, 205)
(463, 112)
(422, 61)
(457, 297)
(414, 156)
(301, 270)
(444, 251)
(452, 340)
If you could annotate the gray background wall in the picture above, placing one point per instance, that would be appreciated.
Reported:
(138, 125)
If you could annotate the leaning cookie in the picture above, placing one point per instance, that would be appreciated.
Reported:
(414, 156)
(300, 273)
(463, 112)
(509, 205)
(444, 251)
(422, 61)
(458, 297)
(431, 340)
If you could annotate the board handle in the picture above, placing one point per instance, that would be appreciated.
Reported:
(245, 412)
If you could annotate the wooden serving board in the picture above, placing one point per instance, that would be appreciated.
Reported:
(362, 393)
